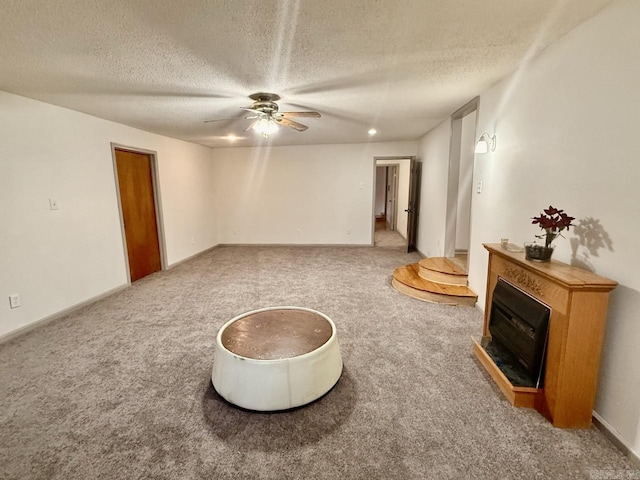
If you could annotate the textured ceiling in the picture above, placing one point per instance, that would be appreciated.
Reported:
(166, 66)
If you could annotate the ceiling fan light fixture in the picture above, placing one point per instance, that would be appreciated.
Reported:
(266, 119)
(266, 126)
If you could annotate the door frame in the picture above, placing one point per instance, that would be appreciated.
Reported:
(372, 213)
(157, 201)
(454, 175)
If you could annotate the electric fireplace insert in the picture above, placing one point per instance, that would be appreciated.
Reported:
(518, 325)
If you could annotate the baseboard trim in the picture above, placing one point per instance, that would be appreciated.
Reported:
(614, 436)
(359, 245)
(54, 316)
(191, 257)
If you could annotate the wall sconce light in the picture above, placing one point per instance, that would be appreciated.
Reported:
(486, 143)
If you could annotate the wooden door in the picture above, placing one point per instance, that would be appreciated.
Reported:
(414, 203)
(392, 197)
(135, 181)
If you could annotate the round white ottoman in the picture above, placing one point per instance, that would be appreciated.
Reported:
(276, 358)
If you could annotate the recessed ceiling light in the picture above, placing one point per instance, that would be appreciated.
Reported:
(372, 132)
(231, 137)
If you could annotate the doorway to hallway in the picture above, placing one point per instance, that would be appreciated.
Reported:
(394, 203)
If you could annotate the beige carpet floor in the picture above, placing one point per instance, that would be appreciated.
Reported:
(384, 238)
(121, 389)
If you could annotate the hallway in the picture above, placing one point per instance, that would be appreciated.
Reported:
(384, 238)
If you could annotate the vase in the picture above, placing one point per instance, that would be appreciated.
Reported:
(537, 253)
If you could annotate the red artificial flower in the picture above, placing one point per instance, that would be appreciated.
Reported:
(552, 221)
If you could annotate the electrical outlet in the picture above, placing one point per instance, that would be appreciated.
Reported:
(14, 300)
(479, 186)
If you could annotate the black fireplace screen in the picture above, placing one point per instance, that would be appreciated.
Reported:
(518, 325)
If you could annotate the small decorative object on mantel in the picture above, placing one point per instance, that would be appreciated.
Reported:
(553, 221)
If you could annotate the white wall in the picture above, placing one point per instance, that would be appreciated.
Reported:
(433, 152)
(307, 194)
(404, 177)
(567, 129)
(58, 259)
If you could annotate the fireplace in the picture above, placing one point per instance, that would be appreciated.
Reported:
(576, 301)
(518, 325)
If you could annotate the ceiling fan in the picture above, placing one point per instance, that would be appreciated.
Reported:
(266, 117)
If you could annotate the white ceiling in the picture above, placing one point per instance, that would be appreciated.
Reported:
(166, 66)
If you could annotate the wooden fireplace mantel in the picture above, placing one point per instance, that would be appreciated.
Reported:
(578, 302)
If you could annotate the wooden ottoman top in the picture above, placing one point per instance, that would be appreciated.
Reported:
(276, 334)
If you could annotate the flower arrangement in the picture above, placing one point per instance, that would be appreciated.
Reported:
(553, 222)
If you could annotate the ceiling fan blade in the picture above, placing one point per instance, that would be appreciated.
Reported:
(300, 114)
(290, 123)
(251, 125)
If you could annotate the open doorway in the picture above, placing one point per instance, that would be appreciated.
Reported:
(392, 206)
(460, 184)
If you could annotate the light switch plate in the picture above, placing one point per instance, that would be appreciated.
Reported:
(14, 300)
